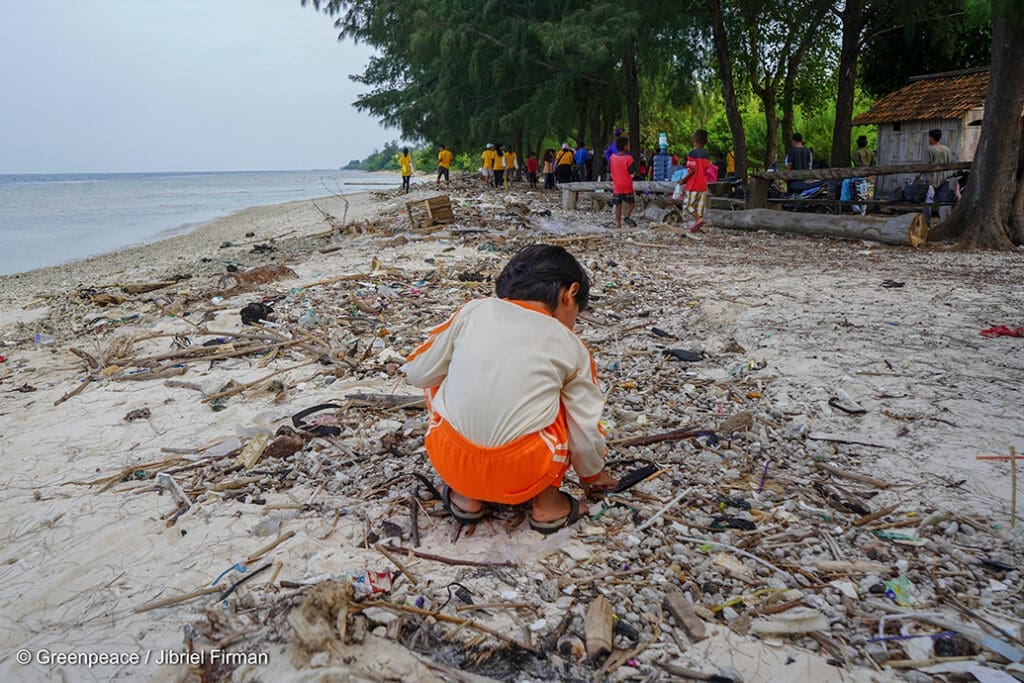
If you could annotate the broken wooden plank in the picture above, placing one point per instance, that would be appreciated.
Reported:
(684, 614)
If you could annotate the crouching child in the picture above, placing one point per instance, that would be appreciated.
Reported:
(513, 395)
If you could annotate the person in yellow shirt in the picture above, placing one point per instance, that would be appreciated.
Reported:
(488, 163)
(511, 164)
(405, 165)
(444, 162)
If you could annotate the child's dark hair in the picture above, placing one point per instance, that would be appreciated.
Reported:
(935, 134)
(538, 273)
(405, 151)
(700, 136)
(621, 142)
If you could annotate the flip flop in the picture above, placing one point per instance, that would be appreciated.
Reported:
(560, 523)
(458, 514)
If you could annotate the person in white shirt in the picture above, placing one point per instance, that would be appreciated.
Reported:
(513, 394)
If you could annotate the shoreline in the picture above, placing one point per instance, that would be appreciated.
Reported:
(204, 236)
(187, 228)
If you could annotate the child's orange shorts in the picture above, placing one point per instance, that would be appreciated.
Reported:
(512, 473)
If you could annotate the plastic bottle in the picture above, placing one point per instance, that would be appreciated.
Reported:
(308, 319)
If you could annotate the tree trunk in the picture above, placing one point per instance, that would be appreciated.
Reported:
(771, 120)
(1017, 211)
(990, 213)
(518, 142)
(853, 23)
(632, 92)
(908, 229)
(594, 125)
(732, 109)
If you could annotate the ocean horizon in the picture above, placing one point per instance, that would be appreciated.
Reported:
(47, 219)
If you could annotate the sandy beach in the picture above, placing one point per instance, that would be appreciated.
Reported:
(833, 367)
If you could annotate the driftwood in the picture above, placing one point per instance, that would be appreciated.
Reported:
(907, 229)
(598, 627)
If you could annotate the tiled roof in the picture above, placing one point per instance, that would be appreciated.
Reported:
(939, 96)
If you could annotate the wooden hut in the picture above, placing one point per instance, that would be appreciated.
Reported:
(953, 102)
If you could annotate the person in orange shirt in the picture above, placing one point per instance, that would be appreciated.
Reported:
(444, 162)
(513, 395)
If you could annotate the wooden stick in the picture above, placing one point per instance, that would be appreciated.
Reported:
(1003, 458)
(268, 547)
(878, 514)
(675, 435)
(853, 476)
(167, 602)
(341, 278)
(242, 387)
(451, 620)
(496, 605)
(398, 563)
(74, 392)
(1013, 487)
(414, 514)
(447, 560)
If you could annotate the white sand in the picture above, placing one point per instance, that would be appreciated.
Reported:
(75, 561)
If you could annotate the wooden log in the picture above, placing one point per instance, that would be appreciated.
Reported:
(757, 194)
(598, 627)
(840, 172)
(569, 199)
(908, 229)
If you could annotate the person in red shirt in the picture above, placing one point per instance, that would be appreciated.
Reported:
(696, 179)
(622, 165)
(531, 169)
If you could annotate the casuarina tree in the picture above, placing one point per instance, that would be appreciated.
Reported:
(990, 215)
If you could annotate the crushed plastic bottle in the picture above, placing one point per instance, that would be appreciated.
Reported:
(309, 319)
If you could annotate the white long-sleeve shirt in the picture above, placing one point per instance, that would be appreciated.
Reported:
(504, 369)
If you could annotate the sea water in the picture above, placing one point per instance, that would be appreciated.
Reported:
(47, 220)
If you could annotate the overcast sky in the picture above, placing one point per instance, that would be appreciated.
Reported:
(177, 85)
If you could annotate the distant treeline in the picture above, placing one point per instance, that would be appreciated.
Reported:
(752, 72)
(423, 159)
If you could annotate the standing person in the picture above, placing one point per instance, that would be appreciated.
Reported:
(730, 163)
(563, 164)
(487, 159)
(511, 439)
(511, 165)
(531, 170)
(444, 162)
(696, 178)
(580, 158)
(499, 167)
(862, 156)
(405, 165)
(859, 188)
(720, 164)
(622, 183)
(549, 169)
(611, 149)
(938, 153)
(798, 157)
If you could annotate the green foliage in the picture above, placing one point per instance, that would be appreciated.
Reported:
(905, 39)
(468, 72)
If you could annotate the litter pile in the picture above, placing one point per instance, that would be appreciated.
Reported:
(753, 548)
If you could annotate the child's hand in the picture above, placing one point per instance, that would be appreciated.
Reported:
(604, 482)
